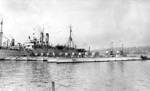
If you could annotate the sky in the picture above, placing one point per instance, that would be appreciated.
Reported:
(95, 23)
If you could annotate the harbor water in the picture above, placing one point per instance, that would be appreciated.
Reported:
(99, 76)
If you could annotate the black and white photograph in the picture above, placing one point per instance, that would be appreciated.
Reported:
(74, 45)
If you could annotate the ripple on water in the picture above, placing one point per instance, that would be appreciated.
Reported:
(108, 76)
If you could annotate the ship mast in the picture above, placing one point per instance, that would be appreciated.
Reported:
(70, 41)
(111, 51)
(122, 53)
(42, 36)
(1, 25)
(122, 47)
(1, 32)
(112, 46)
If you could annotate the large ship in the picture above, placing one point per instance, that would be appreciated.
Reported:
(37, 47)
(10, 49)
(41, 47)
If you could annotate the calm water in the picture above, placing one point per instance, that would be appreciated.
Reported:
(105, 76)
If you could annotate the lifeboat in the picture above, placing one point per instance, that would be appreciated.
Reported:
(53, 54)
(86, 54)
(66, 54)
(36, 54)
(79, 54)
(48, 54)
(73, 54)
(42, 54)
(93, 54)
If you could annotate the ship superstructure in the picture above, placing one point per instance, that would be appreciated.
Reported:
(38, 46)
(10, 49)
(41, 47)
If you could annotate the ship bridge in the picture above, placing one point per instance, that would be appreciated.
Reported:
(29, 46)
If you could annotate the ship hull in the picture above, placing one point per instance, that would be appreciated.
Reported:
(7, 52)
(50, 51)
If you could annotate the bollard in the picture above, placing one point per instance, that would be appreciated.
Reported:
(53, 86)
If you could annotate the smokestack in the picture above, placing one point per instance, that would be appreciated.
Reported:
(13, 42)
(41, 39)
(47, 38)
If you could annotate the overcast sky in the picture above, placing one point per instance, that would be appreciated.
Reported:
(95, 23)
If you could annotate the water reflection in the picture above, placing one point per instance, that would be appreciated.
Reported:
(107, 76)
